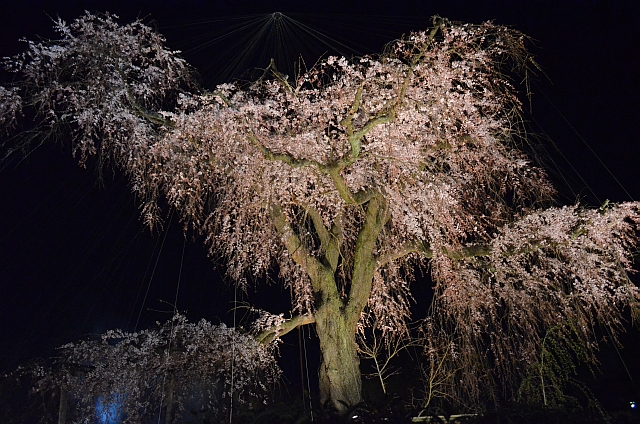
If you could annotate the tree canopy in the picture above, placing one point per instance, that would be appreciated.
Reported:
(344, 180)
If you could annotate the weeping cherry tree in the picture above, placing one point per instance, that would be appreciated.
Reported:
(344, 181)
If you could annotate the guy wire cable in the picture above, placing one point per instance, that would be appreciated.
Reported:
(171, 337)
(154, 270)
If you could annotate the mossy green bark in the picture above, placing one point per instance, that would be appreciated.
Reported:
(340, 377)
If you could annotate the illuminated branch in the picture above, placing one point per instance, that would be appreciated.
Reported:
(321, 276)
(276, 331)
(283, 157)
(350, 198)
(296, 249)
(330, 241)
(358, 198)
(279, 76)
(222, 97)
(141, 111)
(364, 263)
(355, 137)
(466, 252)
(347, 122)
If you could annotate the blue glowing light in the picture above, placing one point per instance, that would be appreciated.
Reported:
(632, 405)
(109, 411)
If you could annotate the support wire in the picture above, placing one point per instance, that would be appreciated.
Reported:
(306, 365)
(144, 300)
(172, 335)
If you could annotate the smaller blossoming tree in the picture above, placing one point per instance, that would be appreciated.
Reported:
(175, 371)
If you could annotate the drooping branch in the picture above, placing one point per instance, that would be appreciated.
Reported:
(270, 334)
(408, 248)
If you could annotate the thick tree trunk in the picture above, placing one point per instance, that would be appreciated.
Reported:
(340, 378)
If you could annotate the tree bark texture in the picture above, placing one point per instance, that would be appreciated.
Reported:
(340, 377)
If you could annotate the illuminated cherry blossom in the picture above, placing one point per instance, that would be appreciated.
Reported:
(346, 179)
(169, 371)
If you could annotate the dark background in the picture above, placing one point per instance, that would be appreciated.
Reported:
(75, 259)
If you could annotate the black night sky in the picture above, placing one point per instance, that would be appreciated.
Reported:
(75, 259)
